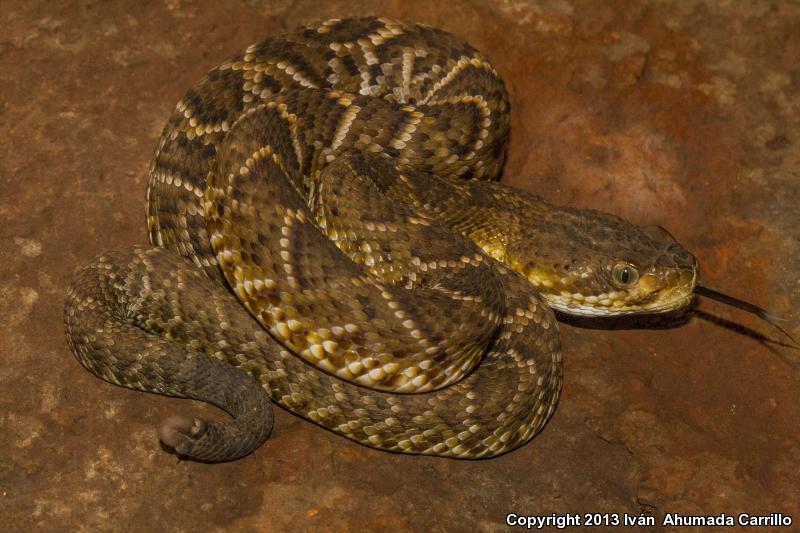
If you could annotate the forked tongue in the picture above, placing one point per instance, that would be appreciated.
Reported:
(761, 313)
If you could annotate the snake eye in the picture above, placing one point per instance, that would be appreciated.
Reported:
(624, 275)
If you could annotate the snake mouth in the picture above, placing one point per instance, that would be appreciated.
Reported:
(654, 294)
(590, 310)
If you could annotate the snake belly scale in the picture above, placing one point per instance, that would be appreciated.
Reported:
(304, 214)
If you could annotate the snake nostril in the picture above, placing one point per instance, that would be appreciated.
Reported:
(680, 255)
(687, 259)
(675, 249)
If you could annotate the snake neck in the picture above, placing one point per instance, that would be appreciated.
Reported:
(583, 262)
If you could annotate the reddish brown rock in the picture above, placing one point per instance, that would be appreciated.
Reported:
(680, 113)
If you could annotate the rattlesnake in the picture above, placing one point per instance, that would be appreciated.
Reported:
(334, 183)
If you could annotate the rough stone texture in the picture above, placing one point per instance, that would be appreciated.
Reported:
(681, 113)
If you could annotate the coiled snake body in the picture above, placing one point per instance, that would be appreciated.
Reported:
(326, 183)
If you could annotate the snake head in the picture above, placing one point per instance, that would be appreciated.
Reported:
(597, 264)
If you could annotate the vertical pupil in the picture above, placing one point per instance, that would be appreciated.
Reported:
(625, 275)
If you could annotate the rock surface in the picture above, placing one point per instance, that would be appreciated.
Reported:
(681, 113)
